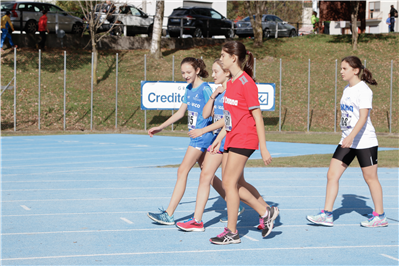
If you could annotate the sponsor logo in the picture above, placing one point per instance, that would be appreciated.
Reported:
(230, 101)
(243, 80)
(171, 98)
(345, 107)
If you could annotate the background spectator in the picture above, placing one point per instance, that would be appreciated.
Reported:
(6, 28)
(43, 29)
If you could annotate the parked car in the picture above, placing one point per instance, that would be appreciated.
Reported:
(135, 20)
(244, 27)
(199, 22)
(25, 16)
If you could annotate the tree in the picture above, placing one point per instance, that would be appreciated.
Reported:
(72, 7)
(157, 30)
(354, 14)
(94, 21)
(256, 9)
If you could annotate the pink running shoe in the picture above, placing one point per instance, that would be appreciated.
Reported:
(191, 225)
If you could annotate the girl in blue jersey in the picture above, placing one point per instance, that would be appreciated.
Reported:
(196, 96)
(212, 161)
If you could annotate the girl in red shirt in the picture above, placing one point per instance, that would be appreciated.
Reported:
(245, 132)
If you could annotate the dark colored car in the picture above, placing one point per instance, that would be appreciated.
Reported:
(26, 15)
(244, 27)
(199, 22)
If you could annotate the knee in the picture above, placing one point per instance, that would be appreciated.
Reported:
(332, 176)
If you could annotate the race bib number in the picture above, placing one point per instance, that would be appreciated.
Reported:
(215, 119)
(192, 119)
(227, 120)
(345, 121)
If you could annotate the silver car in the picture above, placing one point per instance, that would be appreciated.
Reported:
(244, 27)
(129, 16)
(26, 15)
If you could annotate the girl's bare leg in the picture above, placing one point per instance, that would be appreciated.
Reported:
(335, 171)
(371, 177)
(190, 158)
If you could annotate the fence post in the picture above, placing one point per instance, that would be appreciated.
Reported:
(116, 93)
(390, 104)
(40, 62)
(181, 28)
(145, 78)
(255, 68)
(308, 93)
(91, 93)
(173, 78)
(64, 88)
(365, 63)
(279, 113)
(15, 89)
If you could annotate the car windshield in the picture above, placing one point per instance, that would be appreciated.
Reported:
(278, 19)
(247, 19)
(6, 5)
(179, 12)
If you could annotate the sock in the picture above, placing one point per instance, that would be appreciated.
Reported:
(266, 213)
(198, 222)
(328, 213)
(382, 215)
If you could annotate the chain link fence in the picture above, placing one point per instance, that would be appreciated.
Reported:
(55, 91)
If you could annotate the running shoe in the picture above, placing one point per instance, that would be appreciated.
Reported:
(162, 218)
(260, 225)
(225, 238)
(241, 209)
(375, 221)
(322, 218)
(268, 221)
(191, 225)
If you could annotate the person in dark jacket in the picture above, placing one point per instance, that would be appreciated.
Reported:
(394, 13)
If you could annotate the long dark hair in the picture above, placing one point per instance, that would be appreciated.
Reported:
(196, 63)
(355, 62)
(238, 49)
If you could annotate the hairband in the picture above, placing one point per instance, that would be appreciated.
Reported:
(248, 52)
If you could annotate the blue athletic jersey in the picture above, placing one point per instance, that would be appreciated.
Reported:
(218, 114)
(196, 98)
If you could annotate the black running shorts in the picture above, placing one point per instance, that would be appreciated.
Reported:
(245, 152)
(365, 157)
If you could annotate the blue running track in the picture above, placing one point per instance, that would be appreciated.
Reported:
(83, 200)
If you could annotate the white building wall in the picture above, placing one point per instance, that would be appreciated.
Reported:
(375, 25)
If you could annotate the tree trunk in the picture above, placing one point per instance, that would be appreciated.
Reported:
(256, 23)
(157, 31)
(354, 14)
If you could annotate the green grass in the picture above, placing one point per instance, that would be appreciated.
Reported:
(322, 50)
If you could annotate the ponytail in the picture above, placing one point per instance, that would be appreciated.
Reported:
(368, 77)
(249, 65)
(196, 63)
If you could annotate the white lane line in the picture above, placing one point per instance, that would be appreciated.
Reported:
(146, 198)
(160, 229)
(198, 251)
(126, 220)
(124, 188)
(25, 207)
(82, 162)
(157, 173)
(389, 257)
(188, 211)
(250, 238)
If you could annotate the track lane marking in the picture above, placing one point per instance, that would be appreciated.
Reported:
(25, 207)
(389, 257)
(197, 251)
(126, 220)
